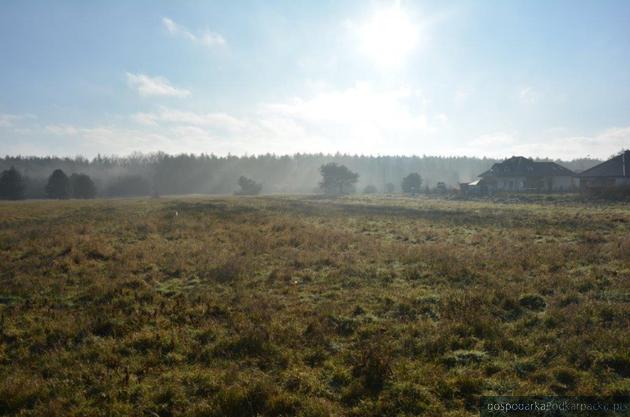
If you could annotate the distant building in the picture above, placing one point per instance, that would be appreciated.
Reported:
(614, 173)
(519, 174)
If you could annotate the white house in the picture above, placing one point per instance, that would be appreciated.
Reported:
(519, 174)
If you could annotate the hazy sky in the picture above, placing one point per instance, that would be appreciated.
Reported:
(493, 78)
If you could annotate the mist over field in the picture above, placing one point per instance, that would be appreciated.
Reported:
(139, 174)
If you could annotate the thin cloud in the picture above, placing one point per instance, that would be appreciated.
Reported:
(10, 120)
(205, 38)
(552, 144)
(495, 140)
(7, 120)
(357, 118)
(154, 86)
(167, 116)
(286, 129)
(63, 130)
(528, 95)
(360, 105)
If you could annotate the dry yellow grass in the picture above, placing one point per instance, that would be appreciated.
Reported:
(310, 307)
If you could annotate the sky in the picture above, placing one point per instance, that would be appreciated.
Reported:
(453, 78)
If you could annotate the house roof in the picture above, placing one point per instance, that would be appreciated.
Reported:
(518, 166)
(619, 166)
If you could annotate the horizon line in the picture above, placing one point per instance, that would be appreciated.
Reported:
(138, 154)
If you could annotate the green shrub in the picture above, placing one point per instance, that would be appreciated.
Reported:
(566, 376)
(533, 302)
(618, 363)
(373, 368)
(19, 393)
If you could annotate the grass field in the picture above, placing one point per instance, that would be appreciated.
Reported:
(309, 307)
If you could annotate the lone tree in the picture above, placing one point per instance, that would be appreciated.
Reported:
(389, 188)
(11, 185)
(248, 186)
(58, 185)
(337, 179)
(412, 184)
(82, 186)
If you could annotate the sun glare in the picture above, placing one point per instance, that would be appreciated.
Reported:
(388, 36)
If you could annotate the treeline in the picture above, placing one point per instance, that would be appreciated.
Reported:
(59, 185)
(159, 173)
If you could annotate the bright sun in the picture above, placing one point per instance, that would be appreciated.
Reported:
(388, 36)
